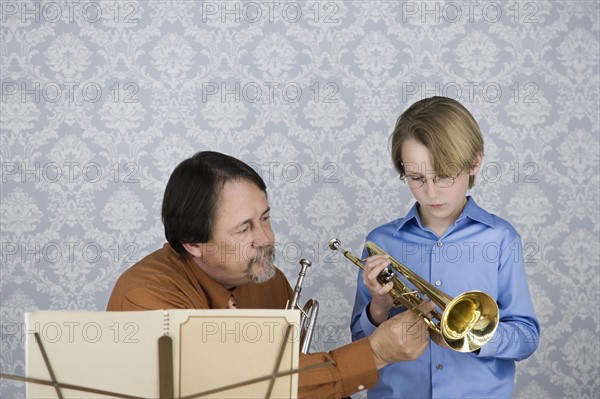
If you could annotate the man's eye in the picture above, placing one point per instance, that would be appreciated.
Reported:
(414, 178)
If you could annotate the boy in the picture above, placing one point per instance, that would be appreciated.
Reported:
(437, 148)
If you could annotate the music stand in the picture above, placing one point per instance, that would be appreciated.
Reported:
(64, 342)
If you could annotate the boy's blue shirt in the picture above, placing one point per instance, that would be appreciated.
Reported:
(480, 251)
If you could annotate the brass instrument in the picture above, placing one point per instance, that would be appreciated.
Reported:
(467, 322)
(309, 311)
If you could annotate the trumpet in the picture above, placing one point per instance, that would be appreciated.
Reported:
(466, 323)
(309, 312)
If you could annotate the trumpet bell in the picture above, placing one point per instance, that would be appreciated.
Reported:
(469, 321)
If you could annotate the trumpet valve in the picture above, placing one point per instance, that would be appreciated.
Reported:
(386, 274)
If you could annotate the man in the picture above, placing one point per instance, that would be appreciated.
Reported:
(220, 254)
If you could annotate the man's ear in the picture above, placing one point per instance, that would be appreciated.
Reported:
(193, 249)
(476, 165)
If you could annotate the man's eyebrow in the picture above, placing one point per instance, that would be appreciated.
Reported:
(249, 221)
(268, 210)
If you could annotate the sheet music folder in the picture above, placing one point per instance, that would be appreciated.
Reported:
(118, 352)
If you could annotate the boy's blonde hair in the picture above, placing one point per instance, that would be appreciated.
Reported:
(446, 128)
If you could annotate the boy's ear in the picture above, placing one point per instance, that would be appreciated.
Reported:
(193, 249)
(476, 165)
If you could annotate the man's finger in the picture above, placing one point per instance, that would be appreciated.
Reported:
(426, 306)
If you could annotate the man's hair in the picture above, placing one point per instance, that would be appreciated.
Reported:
(446, 128)
(193, 192)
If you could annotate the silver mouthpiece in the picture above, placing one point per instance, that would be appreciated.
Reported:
(334, 244)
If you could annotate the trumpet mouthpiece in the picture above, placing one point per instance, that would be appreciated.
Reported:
(334, 244)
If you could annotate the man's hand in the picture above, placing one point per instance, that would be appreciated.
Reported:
(401, 338)
(439, 340)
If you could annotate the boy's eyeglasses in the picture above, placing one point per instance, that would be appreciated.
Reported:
(440, 181)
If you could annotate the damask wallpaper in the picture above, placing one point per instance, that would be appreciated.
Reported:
(101, 99)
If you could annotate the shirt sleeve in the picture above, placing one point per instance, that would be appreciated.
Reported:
(352, 368)
(148, 298)
(518, 331)
(360, 324)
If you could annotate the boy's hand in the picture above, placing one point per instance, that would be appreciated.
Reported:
(381, 300)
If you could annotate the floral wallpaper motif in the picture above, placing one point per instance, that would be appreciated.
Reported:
(101, 99)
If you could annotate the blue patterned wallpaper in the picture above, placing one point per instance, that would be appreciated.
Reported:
(101, 99)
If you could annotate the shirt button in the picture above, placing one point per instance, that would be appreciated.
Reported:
(361, 387)
(439, 244)
(438, 283)
(439, 366)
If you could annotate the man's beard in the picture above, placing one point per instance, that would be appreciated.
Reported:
(261, 268)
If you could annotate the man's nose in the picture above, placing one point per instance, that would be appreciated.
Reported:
(263, 236)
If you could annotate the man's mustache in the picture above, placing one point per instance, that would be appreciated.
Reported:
(265, 253)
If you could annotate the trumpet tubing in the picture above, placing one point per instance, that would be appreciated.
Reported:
(310, 311)
(467, 322)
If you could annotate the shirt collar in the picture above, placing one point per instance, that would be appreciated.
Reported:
(471, 211)
(476, 213)
(413, 214)
(216, 294)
